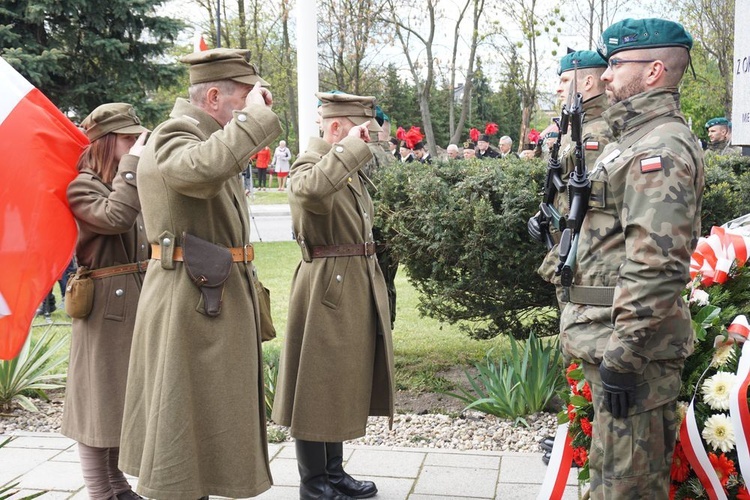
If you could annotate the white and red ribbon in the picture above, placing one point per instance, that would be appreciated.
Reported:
(559, 466)
(696, 454)
(714, 255)
(739, 412)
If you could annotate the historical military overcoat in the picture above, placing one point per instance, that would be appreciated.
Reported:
(337, 361)
(194, 420)
(110, 233)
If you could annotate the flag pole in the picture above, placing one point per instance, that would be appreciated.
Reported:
(218, 23)
(307, 70)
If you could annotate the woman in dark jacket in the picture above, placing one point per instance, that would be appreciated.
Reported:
(113, 244)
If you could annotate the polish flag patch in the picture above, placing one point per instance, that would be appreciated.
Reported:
(591, 146)
(651, 164)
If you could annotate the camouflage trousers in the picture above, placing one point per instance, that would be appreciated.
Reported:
(631, 457)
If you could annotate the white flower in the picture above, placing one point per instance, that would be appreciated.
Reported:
(716, 389)
(722, 354)
(719, 433)
(699, 297)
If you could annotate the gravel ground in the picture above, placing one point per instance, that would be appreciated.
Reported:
(465, 431)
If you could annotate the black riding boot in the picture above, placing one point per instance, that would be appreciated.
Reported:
(343, 482)
(311, 462)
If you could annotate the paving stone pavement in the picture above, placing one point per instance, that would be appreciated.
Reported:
(47, 461)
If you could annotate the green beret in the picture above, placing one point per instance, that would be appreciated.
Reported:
(115, 117)
(581, 59)
(222, 64)
(718, 121)
(630, 34)
(380, 116)
(358, 109)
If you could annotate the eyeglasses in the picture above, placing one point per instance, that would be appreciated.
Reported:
(613, 62)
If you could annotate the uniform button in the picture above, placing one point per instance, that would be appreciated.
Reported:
(140, 228)
(339, 278)
(349, 179)
(143, 246)
(119, 292)
(366, 216)
(129, 176)
(242, 117)
(339, 149)
(370, 236)
(166, 242)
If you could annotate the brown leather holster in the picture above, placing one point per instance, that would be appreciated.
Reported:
(208, 266)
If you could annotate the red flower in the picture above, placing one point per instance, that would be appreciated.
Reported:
(586, 426)
(680, 466)
(672, 490)
(571, 412)
(571, 382)
(574, 389)
(580, 456)
(742, 493)
(587, 391)
(723, 467)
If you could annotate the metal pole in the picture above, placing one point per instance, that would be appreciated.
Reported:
(307, 70)
(218, 23)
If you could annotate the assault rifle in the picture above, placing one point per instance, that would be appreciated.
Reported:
(579, 189)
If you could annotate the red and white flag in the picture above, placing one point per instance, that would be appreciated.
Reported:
(200, 43)
(40, 149)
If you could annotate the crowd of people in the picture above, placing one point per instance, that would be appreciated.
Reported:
(166, 370)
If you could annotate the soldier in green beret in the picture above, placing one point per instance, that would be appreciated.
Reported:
(185, 432)
(626, 319)
(336, 368)
(579, 71)
(720, 137)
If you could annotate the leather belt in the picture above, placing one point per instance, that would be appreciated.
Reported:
(239, 254)
(352, 250)
(104, 272)
(592, 295)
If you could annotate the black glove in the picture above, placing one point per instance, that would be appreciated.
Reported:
(533, 228)
(619, 391)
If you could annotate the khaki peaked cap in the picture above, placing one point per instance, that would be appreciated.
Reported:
(358, 109)
(115, 117)
(222, 64)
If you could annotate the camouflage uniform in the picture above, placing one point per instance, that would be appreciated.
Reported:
(595, 135)
(724, 148)
(642, 225)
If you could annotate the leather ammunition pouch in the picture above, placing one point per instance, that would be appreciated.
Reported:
(208, 266)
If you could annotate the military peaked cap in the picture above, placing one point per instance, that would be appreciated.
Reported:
(358, 109)
(630, 34)
(718, 121)
(222, 64)
(115, 117)
(581, 59)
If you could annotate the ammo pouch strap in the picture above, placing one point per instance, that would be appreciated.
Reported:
(592, 295)
(105, 272)
(352, 250)
(208, 266)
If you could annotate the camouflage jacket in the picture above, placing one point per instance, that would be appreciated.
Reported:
(724, 148)
(595, 135)
(642, 225)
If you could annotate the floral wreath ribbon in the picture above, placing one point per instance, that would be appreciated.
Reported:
(712, 260)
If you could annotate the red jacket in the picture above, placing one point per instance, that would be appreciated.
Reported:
(262, 158)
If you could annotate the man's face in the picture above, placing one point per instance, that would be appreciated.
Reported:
(483, 145)
(392, 147)
(231, 101)
(405, 152)
(504, 147)
(717, 133)
(563, 86)
(419, 153)
(453, 154)
(623, 81)
(469, 153)
(549, 142)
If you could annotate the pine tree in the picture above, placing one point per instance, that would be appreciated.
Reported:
(83, 53)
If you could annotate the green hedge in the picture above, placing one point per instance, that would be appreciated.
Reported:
(459, 230)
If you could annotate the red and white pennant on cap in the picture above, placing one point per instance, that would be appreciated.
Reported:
(40, 149)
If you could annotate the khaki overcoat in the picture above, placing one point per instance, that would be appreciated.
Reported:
(110, 233)
(337, 362)
(194, 421)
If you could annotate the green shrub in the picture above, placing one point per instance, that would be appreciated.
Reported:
(32, 371)
(270, 375)
(520, 383)
(459, 230)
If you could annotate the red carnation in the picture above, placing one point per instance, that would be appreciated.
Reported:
(723, 467)
(580, 455)
(680, 466)
(491, 128)
(571, 412)
(474, 134)
(570, 368)
(587, 391)
(413, 136)
(534, 136)
(401, 134)
(586, 426)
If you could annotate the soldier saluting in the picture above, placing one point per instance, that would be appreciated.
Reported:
(626, 319)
